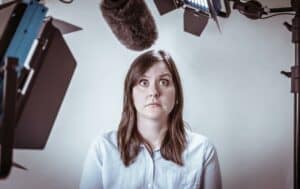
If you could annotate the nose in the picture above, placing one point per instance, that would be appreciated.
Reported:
(154, 90)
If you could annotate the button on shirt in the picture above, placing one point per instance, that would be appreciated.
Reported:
(104, 169)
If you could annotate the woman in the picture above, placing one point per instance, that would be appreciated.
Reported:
(152, 148)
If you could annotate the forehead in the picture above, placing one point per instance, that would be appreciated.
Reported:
(159, 68)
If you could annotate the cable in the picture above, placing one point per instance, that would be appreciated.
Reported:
(66, 1)
(266, 17)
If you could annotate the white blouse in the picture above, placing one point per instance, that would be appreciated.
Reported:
(104, 169)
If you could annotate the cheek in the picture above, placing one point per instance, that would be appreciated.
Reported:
(170, 97)
(137, 97)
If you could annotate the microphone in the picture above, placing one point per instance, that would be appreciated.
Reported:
(131, 22)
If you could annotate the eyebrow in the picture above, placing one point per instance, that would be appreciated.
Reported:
(161, 75)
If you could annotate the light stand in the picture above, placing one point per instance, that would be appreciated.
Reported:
(296, 91)
(295, 88)
(295, 83)
(254, 10)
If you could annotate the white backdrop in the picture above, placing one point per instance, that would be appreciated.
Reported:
(234, 94)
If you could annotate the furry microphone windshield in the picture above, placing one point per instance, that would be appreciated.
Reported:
(131, 22)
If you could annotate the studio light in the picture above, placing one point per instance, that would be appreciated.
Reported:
(31, 92)
(196, 15)
(196, 12)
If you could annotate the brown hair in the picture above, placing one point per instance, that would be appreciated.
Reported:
(129, 139)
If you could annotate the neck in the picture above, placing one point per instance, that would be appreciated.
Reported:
(152, 131)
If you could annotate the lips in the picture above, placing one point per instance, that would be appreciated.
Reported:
(154, 104)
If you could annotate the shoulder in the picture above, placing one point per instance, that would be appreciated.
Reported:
(196, 140)
(199, 145)
(106, 141)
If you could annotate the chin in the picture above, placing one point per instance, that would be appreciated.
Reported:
(158, 115)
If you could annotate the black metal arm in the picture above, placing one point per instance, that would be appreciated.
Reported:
(8, 120)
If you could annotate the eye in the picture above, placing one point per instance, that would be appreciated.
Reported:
(144, 83)
(164, 82)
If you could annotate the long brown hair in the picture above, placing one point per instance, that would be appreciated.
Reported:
(129, 139)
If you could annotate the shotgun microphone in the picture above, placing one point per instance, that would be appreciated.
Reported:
(131, 22)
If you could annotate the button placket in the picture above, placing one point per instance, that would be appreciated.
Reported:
(150, 165)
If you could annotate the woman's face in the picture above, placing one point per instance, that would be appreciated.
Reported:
(154, 93)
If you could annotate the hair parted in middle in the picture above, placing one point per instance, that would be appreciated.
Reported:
(128, 137)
